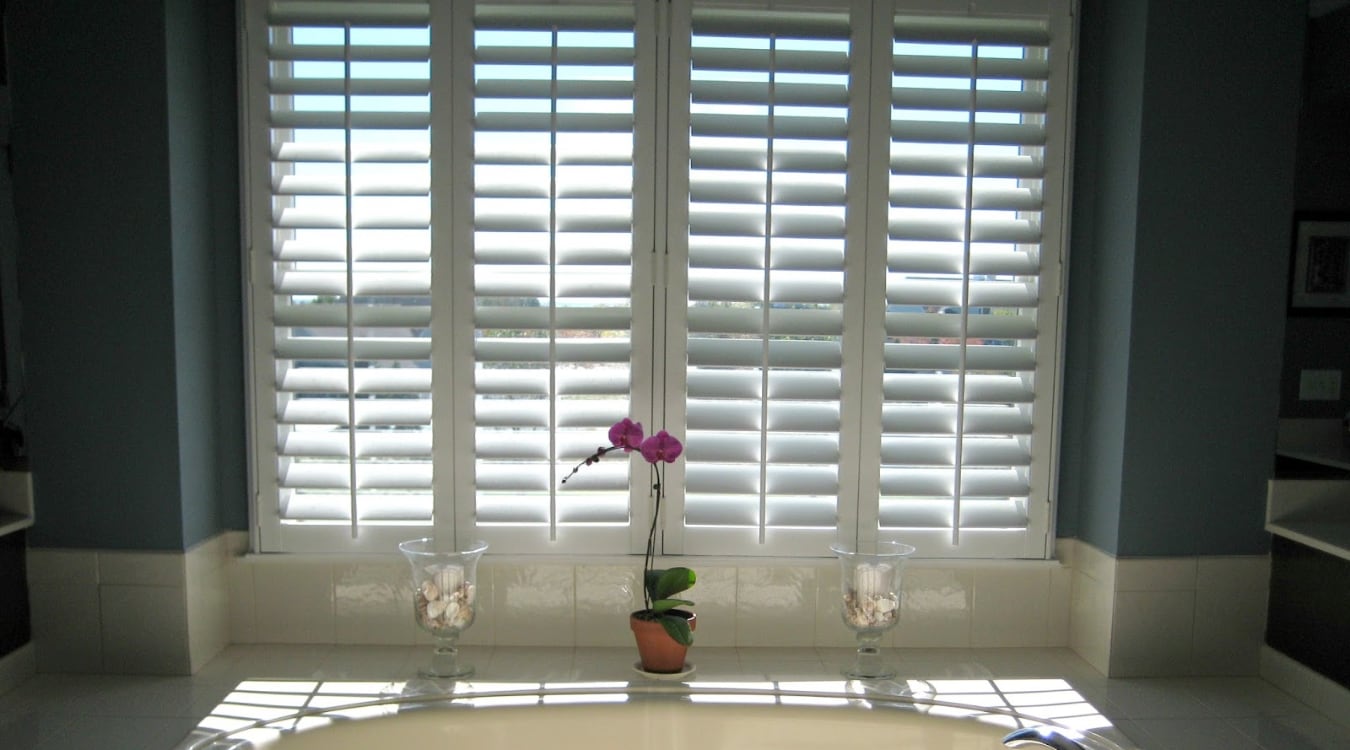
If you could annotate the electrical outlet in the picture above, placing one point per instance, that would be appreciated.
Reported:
(1319, 385)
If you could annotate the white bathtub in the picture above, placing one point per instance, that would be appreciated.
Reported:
(638, 716)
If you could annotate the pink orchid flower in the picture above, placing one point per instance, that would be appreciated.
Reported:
(626, 434)
(661, 447)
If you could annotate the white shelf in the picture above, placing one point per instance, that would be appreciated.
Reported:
(1313, 512)
(1331, 538)
(1318, 441)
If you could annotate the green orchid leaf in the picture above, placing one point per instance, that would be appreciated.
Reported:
(649, 581)
(662, 605)
(662, 584)
(678, 628)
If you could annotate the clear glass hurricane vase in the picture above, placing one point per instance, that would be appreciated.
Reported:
(444, 599)
(871, 600)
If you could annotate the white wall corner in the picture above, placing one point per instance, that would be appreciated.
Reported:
(1091, 602)
(243, 621)
(1231, 599)
(63, 597)
(1154, 617)
(144, 629)
(17, 666)
(208, 600)
(143, 611)
(153, 612)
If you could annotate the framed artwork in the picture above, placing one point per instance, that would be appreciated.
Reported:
(1319, 280)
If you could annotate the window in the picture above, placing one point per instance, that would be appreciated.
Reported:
(482, 232)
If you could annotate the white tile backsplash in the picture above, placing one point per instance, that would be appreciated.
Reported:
(830, 627)
(207, 589)
(1090, 615)
(775, 606)
(1167, 616)
(935, 607)
(1095, 564)
(243, 597)
(535, 604)
(66, 623)
(1156, 574)
(1248, 573)
(1230, 627)
(293, 600)
(141, 568)
(714, 597)
(144, 629)
(62, 566)
(1011, 607)
(1136, 616)
(372, 603)
(1152, 633)
(1057, 615)
(605, 596)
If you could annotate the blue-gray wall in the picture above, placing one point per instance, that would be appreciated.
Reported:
(126, 204)
(1101, 268)
(1183, 198)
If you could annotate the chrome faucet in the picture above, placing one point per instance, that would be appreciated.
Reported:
(1041, 737)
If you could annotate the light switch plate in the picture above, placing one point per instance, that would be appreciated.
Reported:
(1319, 385)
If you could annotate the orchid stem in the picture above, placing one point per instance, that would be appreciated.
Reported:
(588, 461)
(650, 556)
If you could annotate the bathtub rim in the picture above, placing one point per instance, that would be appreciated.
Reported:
(867, 699)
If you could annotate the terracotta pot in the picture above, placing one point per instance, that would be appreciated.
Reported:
(659, 652)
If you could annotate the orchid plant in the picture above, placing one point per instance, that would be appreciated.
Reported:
(659, 586)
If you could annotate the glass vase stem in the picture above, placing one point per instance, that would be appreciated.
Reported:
(868, 664)
(445, 661)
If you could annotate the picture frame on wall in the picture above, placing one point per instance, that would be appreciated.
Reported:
(1319, 278)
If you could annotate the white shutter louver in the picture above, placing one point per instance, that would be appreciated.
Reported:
(963, 289)
(348, 116)
(554, 183)
(768, 154)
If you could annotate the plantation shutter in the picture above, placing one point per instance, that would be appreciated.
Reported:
(555, 175)
(971, 285)
(344, 291)
(506, 225)
(768, 151)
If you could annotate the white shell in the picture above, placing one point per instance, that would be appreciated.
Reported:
(437, 607)
(449, 577)
(430, 591)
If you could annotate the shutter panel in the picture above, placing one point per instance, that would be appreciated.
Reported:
(965, 299)
(554, 183)
(348, 124)
(768, 155)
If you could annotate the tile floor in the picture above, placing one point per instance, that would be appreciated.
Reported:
(75, 712)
